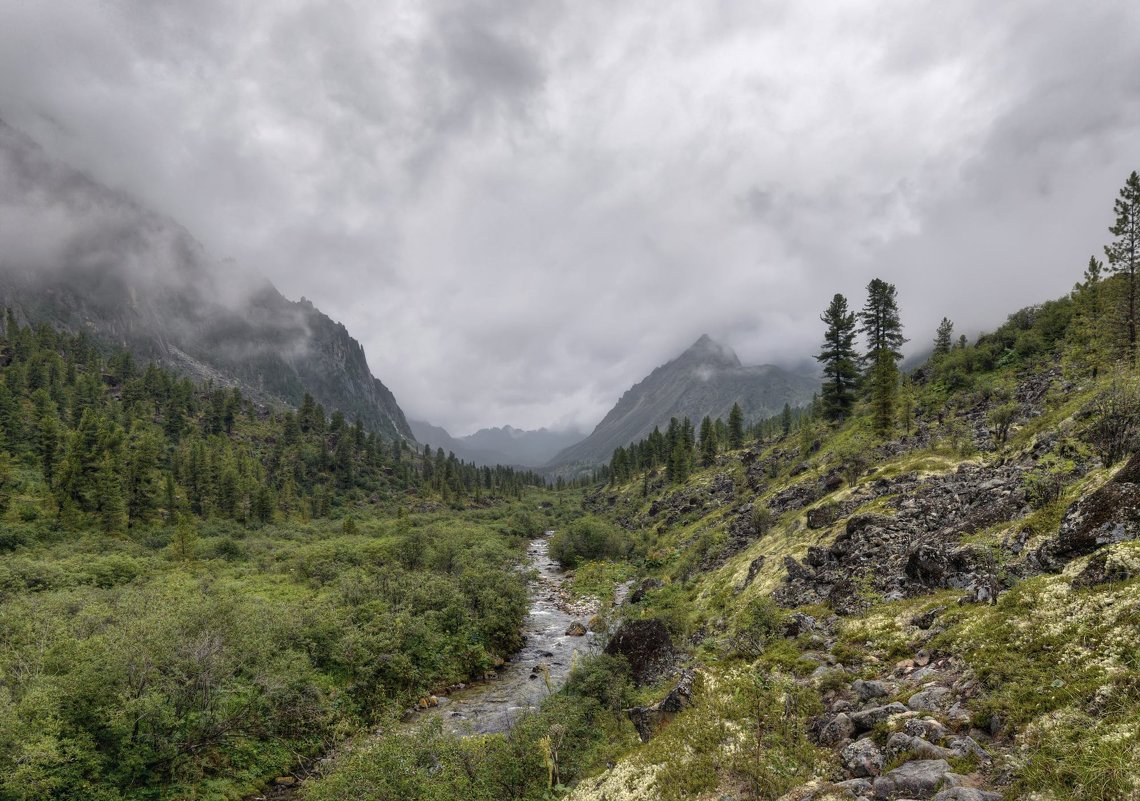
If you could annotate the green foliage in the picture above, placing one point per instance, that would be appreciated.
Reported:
(756, 624)
(589, 538)
(838, 357)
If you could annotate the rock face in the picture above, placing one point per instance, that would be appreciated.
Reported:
(648, 719)
(132, 278)
(1107, 516)
(707, 379)
(646, 645)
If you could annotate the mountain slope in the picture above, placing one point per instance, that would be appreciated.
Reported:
(490, 446)
(86, 258)
(707, 379)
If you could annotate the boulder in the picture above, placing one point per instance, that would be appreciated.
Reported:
(1105, 567)
(866, 690)
(934, 699)
(646, 645)
(918, 748)
(576, 629)
(836, 730)
(869, 718)
(967, 794)
(918, 779)
(862, 758)
(926, 728)
(1107, 516)
(648, 719)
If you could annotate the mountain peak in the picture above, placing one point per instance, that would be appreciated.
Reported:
(708, 351)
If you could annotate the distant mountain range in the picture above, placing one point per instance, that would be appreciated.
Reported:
(491, 446)
(707, 379)
(87, 258)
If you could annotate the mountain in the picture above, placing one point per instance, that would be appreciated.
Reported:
(80, 256)
(506, 445)
(707, 379)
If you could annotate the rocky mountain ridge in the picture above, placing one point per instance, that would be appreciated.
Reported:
(706, 379)
(97, 261)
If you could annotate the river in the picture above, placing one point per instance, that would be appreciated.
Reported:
(541, 667)
(528, 676)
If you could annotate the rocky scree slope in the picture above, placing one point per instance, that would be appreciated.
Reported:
(963, 608)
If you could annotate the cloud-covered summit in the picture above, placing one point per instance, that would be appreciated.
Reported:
(520, 208)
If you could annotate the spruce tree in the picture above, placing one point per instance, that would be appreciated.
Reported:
(943, 338)
(838, 355)
(736, 427)
(708, 443)
(1124, 253)
(880, 324)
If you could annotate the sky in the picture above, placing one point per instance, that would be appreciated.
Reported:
(520, 209)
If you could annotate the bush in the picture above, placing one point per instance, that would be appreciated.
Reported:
(603, 678)
(586, 539)
(1115, 422)
(757, 623)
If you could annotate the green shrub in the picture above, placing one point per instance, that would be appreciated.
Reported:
(589, 538)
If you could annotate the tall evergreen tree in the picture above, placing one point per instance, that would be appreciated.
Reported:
(943, 338)
(840, 372)
(880, 324)
(1124, 253)
(736, 427)
(708, 442)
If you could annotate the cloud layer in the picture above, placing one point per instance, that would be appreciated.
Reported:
(520, 209)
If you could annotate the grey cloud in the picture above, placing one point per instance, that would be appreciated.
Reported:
(521, 209)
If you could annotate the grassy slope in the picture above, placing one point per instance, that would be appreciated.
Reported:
(1058, 666)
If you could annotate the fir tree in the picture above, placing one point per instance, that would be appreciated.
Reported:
(943, 338)
(880, 324)
(1124, 253)
(736, 427)
(838, 356)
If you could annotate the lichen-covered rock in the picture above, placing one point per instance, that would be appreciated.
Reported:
(868, 718)
(862, 758)
(933, 699)
(836, 730)
(866, 690)
(576, 629)
(967, 794)
(1107, 516)
(918, 779)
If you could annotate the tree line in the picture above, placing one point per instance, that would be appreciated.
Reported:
(119, 446)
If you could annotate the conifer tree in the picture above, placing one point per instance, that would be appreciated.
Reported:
(736, 427)
(786, 419)
(880, 324)
(708, 442)
(943, 338)
(838, 355)
(1124, 253)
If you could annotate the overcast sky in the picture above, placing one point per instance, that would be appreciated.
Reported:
(520, 208)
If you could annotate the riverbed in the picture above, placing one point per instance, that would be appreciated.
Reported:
(534, 672)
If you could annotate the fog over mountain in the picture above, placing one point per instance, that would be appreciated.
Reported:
(88, 259)
(518, 209)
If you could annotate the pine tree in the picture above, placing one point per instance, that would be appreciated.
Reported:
(943, 338)
(880, 324)
(786, 419)
(736, 427)
(1124, 253)
(708, 443)
(838, 356)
